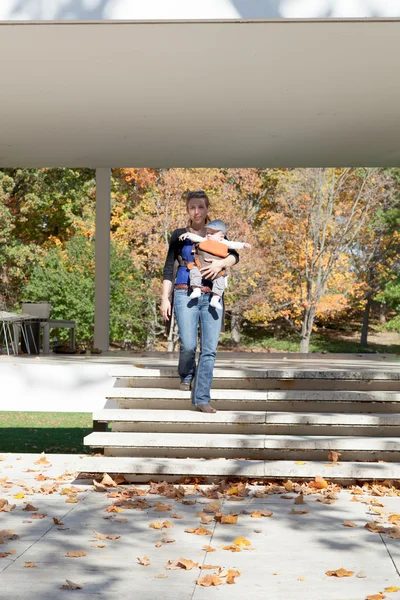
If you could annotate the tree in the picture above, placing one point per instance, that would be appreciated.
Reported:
(312, 225)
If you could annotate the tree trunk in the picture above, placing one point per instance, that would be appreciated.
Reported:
(236, 326)
(367, 312)
(382, 314)
(152, 328)
(306, 328)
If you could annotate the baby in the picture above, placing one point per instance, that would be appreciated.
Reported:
(213, 246)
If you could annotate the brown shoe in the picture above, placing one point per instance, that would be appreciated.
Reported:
(206, 408)
(184, 387)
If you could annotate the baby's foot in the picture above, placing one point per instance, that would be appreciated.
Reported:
(196, 293)
(215, 303)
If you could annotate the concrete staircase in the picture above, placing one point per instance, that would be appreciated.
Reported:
(270, 423)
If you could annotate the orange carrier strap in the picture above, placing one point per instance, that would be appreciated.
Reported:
(215, 248)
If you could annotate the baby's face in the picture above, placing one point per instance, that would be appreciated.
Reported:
(211, 234)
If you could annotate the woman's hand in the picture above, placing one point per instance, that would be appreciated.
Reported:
(165, 308)
(184, 236)
(213, 269)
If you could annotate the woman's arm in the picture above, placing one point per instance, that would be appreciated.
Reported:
(215, 266)
(165, 308)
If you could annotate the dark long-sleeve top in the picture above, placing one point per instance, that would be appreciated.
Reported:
(180, 248)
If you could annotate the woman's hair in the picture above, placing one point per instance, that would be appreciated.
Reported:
(198, 194)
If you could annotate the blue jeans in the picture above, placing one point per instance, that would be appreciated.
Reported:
(188, 315)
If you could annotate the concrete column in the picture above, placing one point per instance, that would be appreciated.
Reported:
(102, 260)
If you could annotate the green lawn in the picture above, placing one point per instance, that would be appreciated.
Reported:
(44, 432)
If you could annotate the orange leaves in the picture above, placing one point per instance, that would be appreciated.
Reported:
(221, 576)
(160, 525)
(145, 561)
(258, 514)
(30, 565)
(199, 531)
(226, 519)
(239, 544)
(43, 461)
(319, 483)
(339, 573)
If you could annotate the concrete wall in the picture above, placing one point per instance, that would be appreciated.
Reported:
(54, 388)
(195, 9)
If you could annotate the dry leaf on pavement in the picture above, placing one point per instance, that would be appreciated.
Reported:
(30, 565)
(209, 548)
(257, 514)
(42, 461)
(378, 596)
(199, 531)
(339, 573)
(391, 588)
(298, 512)
(181, 563)
(333, 456)
(143, 561)
(349, 524)
(71, 585)
(209, 580)
(160, 525)
(76, 554)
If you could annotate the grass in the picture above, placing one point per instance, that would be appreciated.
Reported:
(44, 432)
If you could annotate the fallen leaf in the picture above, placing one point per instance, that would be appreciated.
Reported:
(333, 456)
(226, 519)
(391, 588)
(209, 567)
(71, 586)
(319, 482)
(167, 540)
(161, 576)
(159, 525)
(339, 573)
(298, 512)
(145, 561)
(30, 565)
(76, 554)
(288, 485)
(99, 487)
(209, 580)
(209, 548)
(378, 596)
(212, 507)
(361, 575)
(181, 563)
(199, 531)
(257, 514)
(30, 507)
(374, 527)
(300, 462)
(42, 461)
(299, 499)
(163, 507)
(108, 481)
(302, 578)
(19, 496)
(349, 524)
(175, 516)
(242, 542)
(38, 516)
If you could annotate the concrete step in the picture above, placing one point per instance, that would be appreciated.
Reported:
(254, 446)
(262, 373)
(262, 380)
(145, 469)
(272, 400)
(189, 421)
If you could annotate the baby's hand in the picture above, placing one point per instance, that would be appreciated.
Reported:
(184, 236)
(246, 245)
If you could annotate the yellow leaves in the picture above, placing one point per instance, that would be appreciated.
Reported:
(19, 496)
(199, 531)
(339, 573)
(319, 482)
(160, 525)
(221, 576)
(392, 588)
(378, 596)
(288, 485)
(76, 554)
(226, 519)
(181, 563)
(145, 561)
(238, 544)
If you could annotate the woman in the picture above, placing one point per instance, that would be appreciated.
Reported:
(189, 312)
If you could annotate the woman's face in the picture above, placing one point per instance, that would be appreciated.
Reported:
(197, 210)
